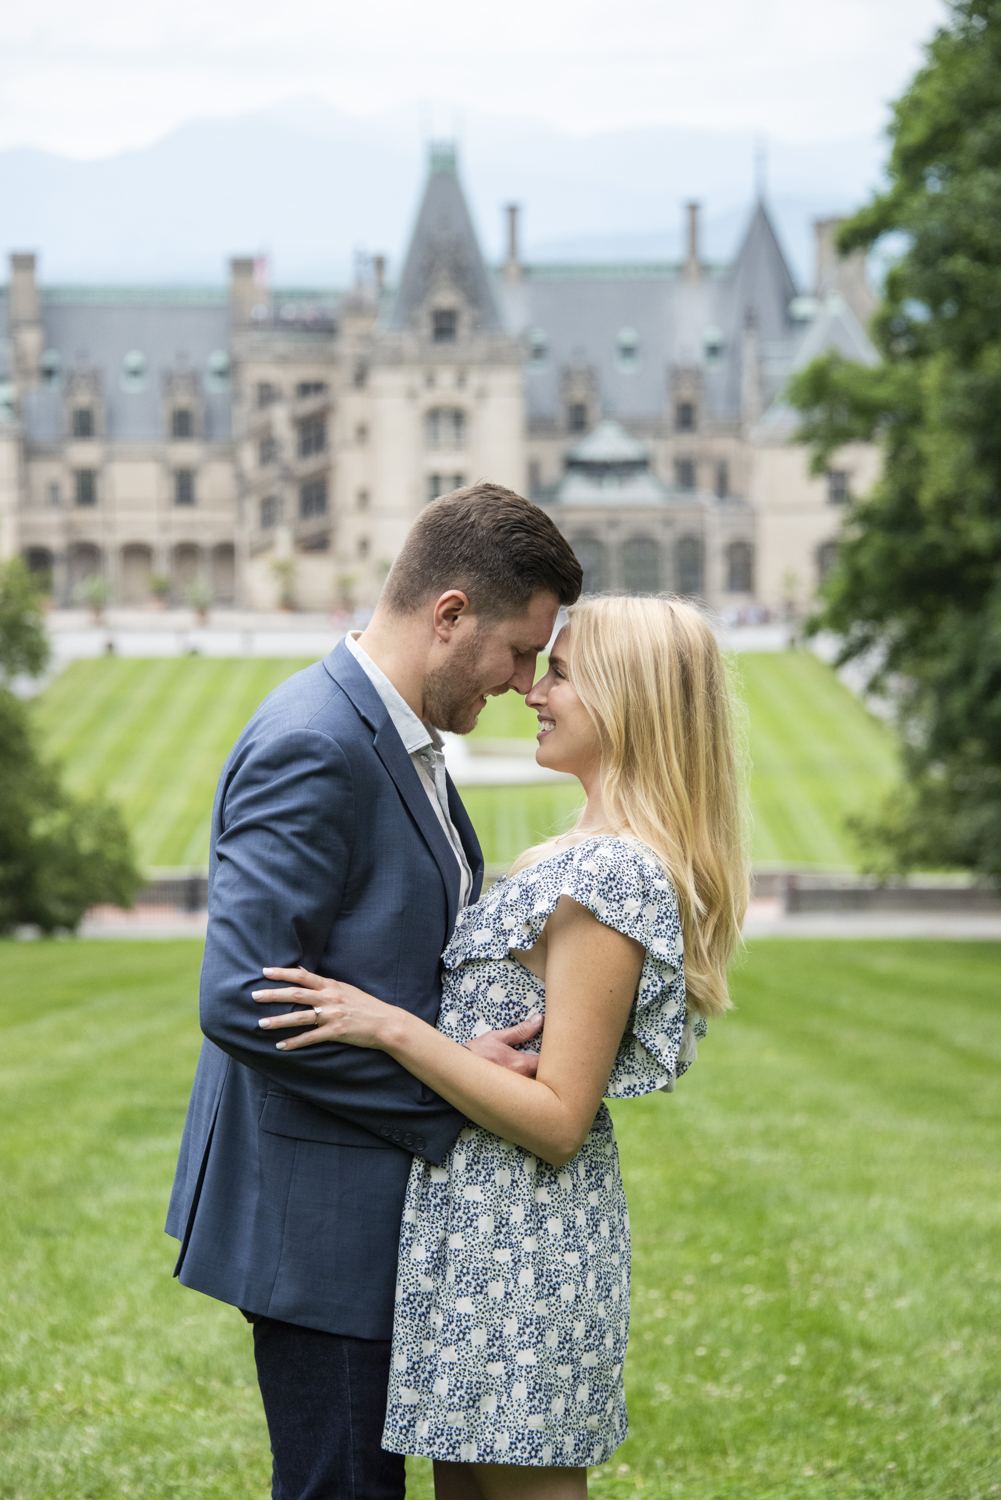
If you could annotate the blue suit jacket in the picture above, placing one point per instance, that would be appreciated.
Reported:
(326, 852)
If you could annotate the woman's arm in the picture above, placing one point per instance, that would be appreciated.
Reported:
(591, 976)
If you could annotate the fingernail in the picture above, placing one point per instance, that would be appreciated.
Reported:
(264, 1023)
(267, 971)
(280, 1046)
(256, 994)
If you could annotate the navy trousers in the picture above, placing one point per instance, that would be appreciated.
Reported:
(325, 1400)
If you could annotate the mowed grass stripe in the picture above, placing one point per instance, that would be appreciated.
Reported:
(817, 756)
(177, 819)
(155, 739)
(155, 734)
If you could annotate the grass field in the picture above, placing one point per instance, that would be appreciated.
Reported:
(154, 735)
(815, 1219)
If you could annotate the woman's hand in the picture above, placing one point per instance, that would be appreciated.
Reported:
(337, 1012)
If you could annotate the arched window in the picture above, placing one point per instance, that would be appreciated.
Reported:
(591, 556)
(445, 427)
(689, 565)
(640, 565)
(85, 561)
(827, 556)
(740, 568)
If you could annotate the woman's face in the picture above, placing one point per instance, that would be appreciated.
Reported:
(568, 739)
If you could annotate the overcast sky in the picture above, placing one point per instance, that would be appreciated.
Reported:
(88, 80)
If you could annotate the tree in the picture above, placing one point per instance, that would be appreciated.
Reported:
(917, 584)
(59, 854)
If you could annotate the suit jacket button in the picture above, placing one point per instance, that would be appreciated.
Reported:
(385, 1133)
(397, 1137)
(419, 1142)
(408, 1139)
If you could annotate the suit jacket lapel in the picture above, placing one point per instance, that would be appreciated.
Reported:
(389, 747)
(470, 842)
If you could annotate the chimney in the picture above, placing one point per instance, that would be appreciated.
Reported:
(23, 294)
(842, 275)
(25, 315)
(692, 268)
(244, 293)
(512, 266)
(379, 262)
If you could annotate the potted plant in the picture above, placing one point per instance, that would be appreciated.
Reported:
(283, 570)
(200, 597)
(94, 592)
(159, 587)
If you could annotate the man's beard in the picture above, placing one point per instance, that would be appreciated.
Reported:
(452, 693)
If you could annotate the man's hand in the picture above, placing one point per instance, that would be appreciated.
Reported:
(501, 1046)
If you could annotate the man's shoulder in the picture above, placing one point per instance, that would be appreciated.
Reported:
(309, 703)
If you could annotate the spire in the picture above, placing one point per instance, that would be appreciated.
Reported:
(444, 255)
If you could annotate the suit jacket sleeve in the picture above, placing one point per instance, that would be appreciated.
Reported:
(283, 849)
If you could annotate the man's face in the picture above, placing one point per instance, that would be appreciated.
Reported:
(488, 661)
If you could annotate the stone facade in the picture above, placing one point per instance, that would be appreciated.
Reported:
(260, 446)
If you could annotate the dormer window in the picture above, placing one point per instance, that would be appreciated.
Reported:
(627, 348)
(134, 372)
(712, 345)
(83, 422)
(51, 366)
(444, 325)
(181, 423)
(445, 427)
(217, 371)
(684, 416)
(577, 416)
(538, 346)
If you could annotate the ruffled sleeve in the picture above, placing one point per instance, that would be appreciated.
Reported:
(625, 887)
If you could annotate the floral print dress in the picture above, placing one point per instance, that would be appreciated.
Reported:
(512, 1309)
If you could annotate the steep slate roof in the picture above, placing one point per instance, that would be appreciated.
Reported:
(581, 310)
(443, 244)
(94, 329)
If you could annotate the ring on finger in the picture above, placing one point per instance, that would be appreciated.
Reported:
(319, 1015)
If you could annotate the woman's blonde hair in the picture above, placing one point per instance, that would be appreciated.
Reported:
(652, 677)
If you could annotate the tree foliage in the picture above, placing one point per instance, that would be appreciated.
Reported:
(59, 854)
(917, 585)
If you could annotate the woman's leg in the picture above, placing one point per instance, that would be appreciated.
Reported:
(515, 1482)
(507, 1482)
(455, 1482)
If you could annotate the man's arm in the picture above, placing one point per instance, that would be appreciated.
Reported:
(283, 854)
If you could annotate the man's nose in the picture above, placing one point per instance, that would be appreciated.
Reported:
(522, 678)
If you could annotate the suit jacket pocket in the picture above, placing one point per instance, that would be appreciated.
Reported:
(283, 1114)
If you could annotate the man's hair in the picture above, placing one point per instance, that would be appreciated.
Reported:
(495, 546)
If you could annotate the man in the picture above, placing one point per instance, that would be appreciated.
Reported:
(339, 843)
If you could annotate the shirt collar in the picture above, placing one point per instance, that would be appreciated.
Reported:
(415, 734)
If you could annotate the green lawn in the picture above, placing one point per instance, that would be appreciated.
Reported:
(816, 1214)
(154, 735)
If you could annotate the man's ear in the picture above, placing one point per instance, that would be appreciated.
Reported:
(449, 610)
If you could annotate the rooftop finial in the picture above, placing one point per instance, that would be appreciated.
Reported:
(443, 157)
(760, 167)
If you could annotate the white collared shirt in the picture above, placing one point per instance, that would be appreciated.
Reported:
(423, 744)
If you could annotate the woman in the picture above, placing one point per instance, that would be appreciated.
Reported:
(512, 1311)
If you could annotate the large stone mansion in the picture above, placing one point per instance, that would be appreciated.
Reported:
(256, 446)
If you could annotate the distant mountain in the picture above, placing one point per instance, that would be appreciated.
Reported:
(310, 187)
